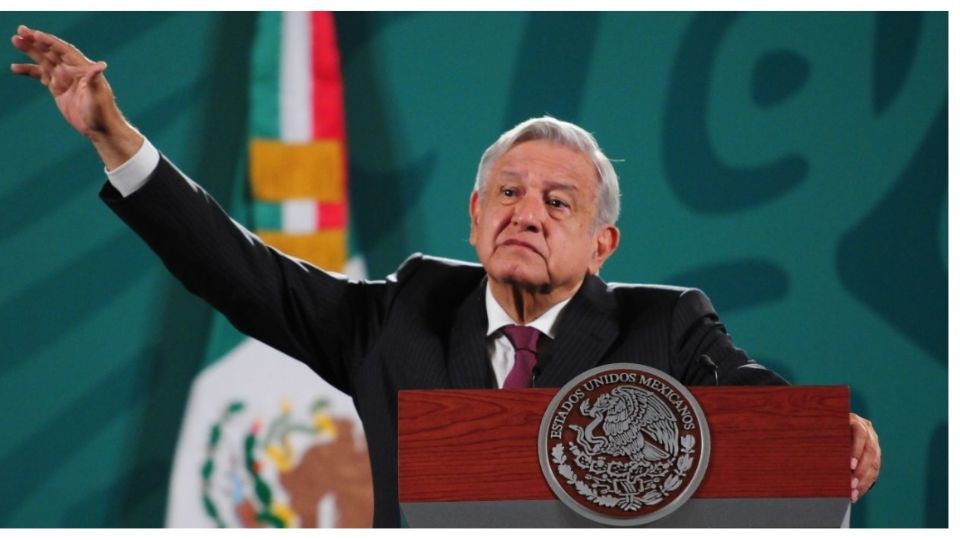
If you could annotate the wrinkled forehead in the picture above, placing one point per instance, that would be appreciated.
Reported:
(557, 161)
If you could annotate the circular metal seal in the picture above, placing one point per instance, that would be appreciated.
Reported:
(624, 444)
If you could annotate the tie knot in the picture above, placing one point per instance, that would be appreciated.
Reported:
(523, 338)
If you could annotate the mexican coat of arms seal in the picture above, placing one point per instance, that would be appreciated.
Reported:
(624, 444)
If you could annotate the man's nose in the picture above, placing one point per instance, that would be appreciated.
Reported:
(529, 213)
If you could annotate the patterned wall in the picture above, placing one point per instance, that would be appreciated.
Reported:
(794, 166)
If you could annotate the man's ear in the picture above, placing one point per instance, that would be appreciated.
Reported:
(606, 242)
(474, 216)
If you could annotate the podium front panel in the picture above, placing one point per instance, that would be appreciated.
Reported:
(779, 457)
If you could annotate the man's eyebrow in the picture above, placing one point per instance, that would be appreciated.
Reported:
(560, 185)
(549, 184)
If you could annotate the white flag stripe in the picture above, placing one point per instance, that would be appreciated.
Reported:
(299, 216)
(296, 85)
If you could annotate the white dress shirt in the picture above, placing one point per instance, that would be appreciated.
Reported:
(499, 349)
(134, 173)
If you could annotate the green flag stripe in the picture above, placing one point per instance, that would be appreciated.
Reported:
(267, 216)
(265, 78)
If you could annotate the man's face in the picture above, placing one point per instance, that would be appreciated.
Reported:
(533, 224)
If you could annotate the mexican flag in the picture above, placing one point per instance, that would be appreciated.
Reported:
(265, 442)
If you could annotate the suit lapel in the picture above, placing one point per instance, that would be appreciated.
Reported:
(586, 330)
(467, 365)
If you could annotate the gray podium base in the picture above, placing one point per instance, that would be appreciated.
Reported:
(799, 512)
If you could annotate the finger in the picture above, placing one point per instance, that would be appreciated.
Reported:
(37, 45)
(865, 451)
(46, 69)
(53, 57)
(26, 46)
(869, 456)
(30, 70)
(869, 467)
(859, 434)
(58, 46)
(28, 38)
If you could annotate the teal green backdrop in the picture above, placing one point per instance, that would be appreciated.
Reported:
(793, 166)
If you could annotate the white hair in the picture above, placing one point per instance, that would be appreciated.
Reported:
(571, 136)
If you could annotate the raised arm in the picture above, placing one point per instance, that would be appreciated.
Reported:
(319, 318)
(81, 92)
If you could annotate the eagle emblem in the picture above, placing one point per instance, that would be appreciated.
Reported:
(635, 424)
(624, 444)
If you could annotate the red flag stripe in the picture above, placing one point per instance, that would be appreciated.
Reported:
(328, 120)
(331, 216)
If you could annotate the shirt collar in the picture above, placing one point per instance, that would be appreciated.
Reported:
(497, 318)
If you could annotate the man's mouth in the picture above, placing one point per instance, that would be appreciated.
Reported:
(520, 243)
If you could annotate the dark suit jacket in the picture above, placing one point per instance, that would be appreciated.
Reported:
(423, 327)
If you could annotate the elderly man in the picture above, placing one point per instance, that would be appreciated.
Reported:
(542, 219)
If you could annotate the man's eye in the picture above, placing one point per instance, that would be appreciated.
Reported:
(508, 192)
(557, 203)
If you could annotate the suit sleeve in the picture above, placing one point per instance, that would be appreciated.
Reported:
(696, 330)
(321, 319)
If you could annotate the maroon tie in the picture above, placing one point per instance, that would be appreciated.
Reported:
(524, 340)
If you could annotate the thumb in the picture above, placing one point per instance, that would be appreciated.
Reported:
(94, 70)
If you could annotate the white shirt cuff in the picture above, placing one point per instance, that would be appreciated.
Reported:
(135, 172)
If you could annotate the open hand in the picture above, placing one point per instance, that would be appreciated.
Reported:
(81, 92)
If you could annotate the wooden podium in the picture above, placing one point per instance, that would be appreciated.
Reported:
(780, 457)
